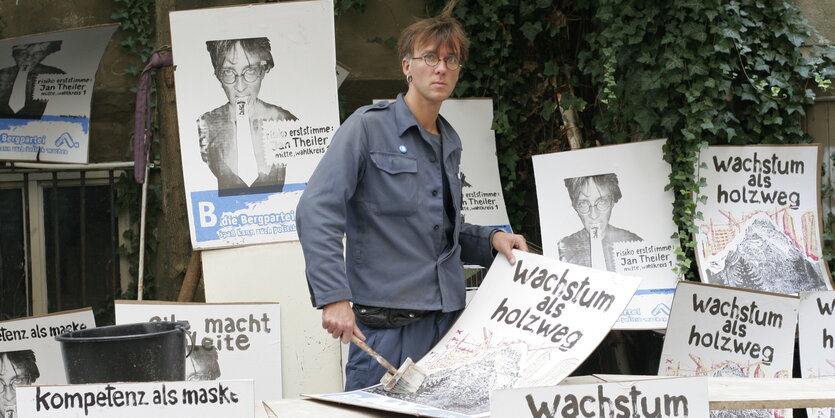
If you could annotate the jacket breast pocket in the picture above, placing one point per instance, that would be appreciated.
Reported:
(394, 184)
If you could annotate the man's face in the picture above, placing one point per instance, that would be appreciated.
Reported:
(237, 61)
(28, 56)
(11, 376)
(433, 84)
(597, 204)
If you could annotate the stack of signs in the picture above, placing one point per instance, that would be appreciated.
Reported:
(607, 208)
(684, 397)
(139, 400)
(530, 324)
(257, 105)
(483, 200)
(721, 331)
(228, 341)
(817, 340)
(46, 83)
(29, 353)
(761, 225)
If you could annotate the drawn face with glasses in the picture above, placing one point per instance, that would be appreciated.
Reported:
(12, 375)
(240, 74)
(204, 364)
(593, 204)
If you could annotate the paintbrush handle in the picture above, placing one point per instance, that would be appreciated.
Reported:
(364, 347)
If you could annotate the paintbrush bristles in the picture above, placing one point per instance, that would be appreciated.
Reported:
(408, 378)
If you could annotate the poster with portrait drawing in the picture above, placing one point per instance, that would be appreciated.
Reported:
(530, 324)
(729, 332)
(46, 84)
(483, 199)
(257, 107)
(761, 226)
(816, 335)
(228, 340)
(606, 208)
(30, 355)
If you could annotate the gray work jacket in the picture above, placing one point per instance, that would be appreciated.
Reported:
(380, 185)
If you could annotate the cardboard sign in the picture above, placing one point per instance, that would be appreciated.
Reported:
(607, 208)
(230, 341)
(219, 399)
(530, 324)
(46, 83)
(761, 226)
(257, 107)
(29, 353)
(721, 331)
(685, 397)
(816, 331)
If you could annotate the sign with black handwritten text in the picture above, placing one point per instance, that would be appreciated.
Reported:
(657, 398)
(29, 353)
(229, 341)
(608, 208)
(221, 399)
(728, 332)
(761, 225)
(529, 324)
(816, 333)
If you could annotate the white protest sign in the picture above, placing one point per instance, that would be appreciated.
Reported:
(530, 324)
(816, 332)
(46, 84)
(29, 353)
(483, 199)
(268, 67)
(679, 397)
(721, 331)
(761, 224)
(221, 399)
(607, 208)
(231, 341)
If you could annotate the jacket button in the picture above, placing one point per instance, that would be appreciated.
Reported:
(435, 227)
(434, 192)
(432, 158)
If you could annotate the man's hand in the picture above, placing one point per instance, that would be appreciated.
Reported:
(505, 243)
(338, 319)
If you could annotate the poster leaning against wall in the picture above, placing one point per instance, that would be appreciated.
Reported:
(257, 107)
(607, 208)
(761, 227)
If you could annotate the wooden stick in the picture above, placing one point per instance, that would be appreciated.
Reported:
(191, 279)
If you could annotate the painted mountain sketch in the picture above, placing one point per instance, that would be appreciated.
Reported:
(765, 258)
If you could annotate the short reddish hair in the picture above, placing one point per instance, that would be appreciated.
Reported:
(443, 30)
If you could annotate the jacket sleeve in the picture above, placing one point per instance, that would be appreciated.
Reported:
(322, 212)
(476, 244)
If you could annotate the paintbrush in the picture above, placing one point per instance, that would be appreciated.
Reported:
(406, 379)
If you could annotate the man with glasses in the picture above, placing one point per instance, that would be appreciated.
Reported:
(16, 368)
(236, 139)
(389, 182)
(593, 198)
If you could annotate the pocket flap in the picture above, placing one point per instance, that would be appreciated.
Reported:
(394, 163)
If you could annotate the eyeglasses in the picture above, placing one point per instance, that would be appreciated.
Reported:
(16, 381)
(250, 74)
(432, 60)
(584, 206)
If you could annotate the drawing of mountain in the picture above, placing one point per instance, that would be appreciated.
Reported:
(764, 258)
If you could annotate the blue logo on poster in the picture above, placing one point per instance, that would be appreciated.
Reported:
(661, 309)
(66, 139)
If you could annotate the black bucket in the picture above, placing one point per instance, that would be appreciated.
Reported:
(141, 352)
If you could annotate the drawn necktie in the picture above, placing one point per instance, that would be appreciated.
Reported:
(247, 167)
(598, 260)
(18, 97)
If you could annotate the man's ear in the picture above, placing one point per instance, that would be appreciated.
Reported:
(407, 66)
